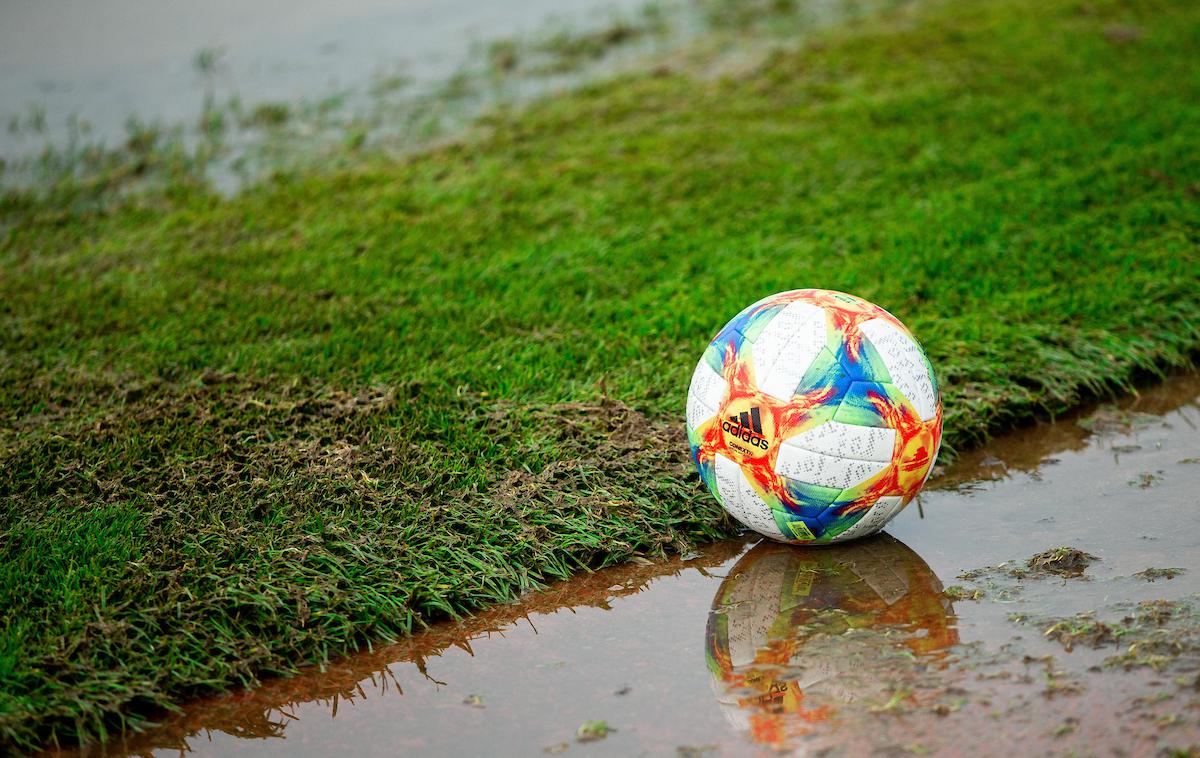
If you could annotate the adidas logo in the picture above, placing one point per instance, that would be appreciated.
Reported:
(746, 426)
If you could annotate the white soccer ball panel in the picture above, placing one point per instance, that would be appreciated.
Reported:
(824, 470)
(873, 520)
(905, 364)
(705, 394)
(740, 499)
(864, 443)
(786, 347)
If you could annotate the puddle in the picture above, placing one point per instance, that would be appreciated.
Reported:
(937, 637)
(104, 63)
(231, 91)
(132, 94)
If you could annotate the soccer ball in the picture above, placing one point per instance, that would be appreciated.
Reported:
(814, 417)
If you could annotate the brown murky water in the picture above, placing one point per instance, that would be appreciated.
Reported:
(745, 649)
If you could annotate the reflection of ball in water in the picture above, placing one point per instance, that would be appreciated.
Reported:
(814, 416)
(795, 634)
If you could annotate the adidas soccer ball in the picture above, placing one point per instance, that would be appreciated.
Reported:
(814, 417)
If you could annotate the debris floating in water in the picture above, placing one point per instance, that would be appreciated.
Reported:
(1150, 574)
(589, 731)
(1064, 561)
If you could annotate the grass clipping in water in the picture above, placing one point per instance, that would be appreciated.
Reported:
(1158, 634)
(240, 436)
(1064, 561)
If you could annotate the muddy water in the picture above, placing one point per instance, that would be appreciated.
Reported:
(106, 62)
(745, 648)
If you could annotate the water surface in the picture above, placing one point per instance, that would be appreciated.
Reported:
(106, 62)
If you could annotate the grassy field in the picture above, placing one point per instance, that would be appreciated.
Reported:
(240, 436)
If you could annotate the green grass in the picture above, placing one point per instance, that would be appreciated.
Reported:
(239, 436)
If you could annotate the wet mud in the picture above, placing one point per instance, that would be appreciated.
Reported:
(1041, 598)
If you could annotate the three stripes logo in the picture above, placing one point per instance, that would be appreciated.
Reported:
(746, 426)
(749, 419)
